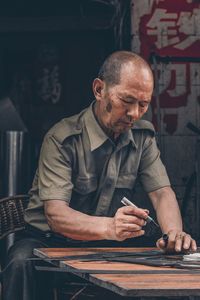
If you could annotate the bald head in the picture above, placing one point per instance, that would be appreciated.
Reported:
(111, 70)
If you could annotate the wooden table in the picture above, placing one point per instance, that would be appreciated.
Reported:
(125, 279)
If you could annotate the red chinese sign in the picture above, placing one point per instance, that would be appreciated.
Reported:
(171, 28)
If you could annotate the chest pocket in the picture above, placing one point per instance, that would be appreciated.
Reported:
(85, 185)
(126, 181)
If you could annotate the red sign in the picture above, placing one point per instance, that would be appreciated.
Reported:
(171, 28)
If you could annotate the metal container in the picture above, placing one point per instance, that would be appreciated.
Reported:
(12, 155)
(14, 167)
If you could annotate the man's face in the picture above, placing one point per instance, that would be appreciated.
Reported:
(119, 106)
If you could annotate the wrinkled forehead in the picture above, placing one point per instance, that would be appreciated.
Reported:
(133, 78)
(137, 71)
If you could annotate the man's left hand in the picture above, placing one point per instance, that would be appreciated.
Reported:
(178, 241)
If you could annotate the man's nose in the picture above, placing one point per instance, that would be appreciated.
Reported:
(133, 112)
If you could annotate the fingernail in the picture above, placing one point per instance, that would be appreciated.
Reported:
(178, 249)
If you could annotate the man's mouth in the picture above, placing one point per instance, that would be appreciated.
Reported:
(129, 124)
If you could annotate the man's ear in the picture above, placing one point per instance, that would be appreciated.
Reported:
(98, 88)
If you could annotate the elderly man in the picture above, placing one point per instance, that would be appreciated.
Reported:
(88, 163)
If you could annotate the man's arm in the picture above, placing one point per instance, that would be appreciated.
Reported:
(126, 223)
(169, 218)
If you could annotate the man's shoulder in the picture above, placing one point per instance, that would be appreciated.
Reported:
(145, 126)
(67, 127)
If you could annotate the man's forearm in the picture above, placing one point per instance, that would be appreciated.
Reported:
(167, 209)
(169, 218)
(74, 224)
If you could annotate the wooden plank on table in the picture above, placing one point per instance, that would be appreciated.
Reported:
(60, 252)
(151, 285)
(55, 255)
(108, 267)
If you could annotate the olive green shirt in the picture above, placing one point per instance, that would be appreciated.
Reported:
(81, 165)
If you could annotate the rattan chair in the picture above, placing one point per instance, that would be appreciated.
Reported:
(12, 214)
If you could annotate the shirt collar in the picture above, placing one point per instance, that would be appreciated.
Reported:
(126, 138)
(96, 134)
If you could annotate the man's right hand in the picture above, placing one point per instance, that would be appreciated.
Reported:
(127, 223)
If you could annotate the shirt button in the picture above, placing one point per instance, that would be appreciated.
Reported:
(78, 127)
(48, 235)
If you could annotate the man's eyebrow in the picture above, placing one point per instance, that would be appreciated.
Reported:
(127, 96)
(133, 98)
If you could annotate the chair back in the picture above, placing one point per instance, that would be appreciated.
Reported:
(12, 214)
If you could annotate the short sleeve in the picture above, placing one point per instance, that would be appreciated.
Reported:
(54, 180)
(152, 172)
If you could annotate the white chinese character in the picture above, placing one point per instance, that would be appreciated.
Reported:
(178, 71)
(163, 25)
(189, 24)
(172, 80)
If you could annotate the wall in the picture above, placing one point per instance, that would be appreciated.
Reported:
(166, 33)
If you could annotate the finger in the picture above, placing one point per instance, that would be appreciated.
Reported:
(189, 243)
(138, 233)
(133, 220)
(174, 241)
(161, 244)
(182, 241)
(135, 234)
(167, 246)
(193, 245)
(179, 242)
(130, 227)
(139, 212)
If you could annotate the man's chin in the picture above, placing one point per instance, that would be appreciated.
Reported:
(122, 129)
